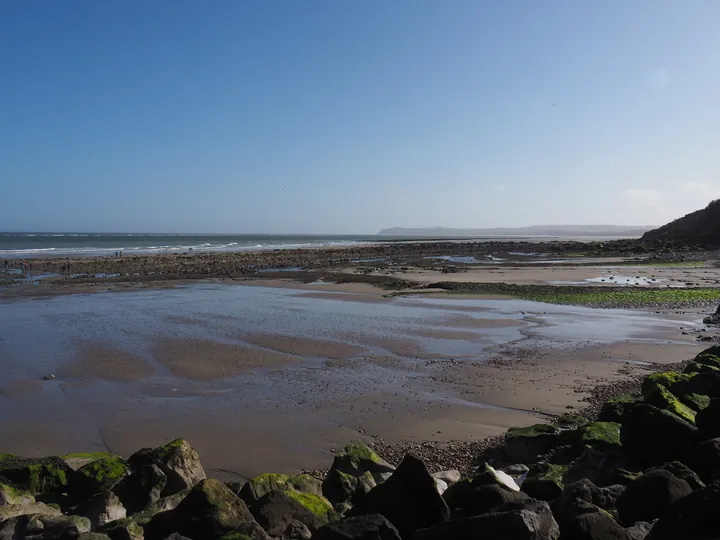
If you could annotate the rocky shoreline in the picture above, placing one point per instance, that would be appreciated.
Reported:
(641, 462)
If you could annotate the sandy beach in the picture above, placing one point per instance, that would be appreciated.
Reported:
(266, 375)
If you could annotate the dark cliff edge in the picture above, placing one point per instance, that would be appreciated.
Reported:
(699, 227)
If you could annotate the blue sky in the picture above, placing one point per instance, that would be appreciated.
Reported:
(348, 117)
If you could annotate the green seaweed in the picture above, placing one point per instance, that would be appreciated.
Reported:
(600, 435)
(697, 402)
(359, 451)
(102, 474)
(662, 398)
(317, 504)
(667, 379)
(634, 298)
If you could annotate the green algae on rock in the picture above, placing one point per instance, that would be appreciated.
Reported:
(600, 435)
(668, 379)
(356, 459)
(36, 475)
(101, 474)
(11, 495)
(545, 481)
(526, 443)
(696, 402)
(663, 399)
(615, 408)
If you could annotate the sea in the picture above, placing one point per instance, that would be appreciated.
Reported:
(28, 245)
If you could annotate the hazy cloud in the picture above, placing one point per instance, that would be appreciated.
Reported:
(649, 198)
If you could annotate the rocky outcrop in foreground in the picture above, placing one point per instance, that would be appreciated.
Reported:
(647, 468)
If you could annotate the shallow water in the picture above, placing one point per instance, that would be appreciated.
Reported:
(38, 336)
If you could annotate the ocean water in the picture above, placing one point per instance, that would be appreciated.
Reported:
(26, 245)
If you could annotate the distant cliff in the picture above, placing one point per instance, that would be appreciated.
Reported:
(536, 230)
(700, 227)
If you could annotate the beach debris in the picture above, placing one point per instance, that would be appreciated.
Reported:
(503, 478)
(48, 377)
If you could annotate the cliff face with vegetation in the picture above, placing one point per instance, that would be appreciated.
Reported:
(698, 228)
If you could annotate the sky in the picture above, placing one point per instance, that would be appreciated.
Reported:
(348, 117)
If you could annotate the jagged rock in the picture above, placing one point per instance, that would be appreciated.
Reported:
(408, 499)
(98, 476)
(652, 436)
(665, 400)
(569, 504)
(650, 495)
(11, 510)
(246, 531)
(339, 487)
(615, 408)
(516, 469)
(600, 435)
(367, 527)
(80, 459)
(527, 520)
(670, 380)
(124, 529)
(277, 509)
(706, 459)
(142, 488)
(708, 420)
(681, 471)
(11, 495)
(449, 477)
(167, 503)
(36, 475)
(594, 526)
(599, 467)
(544, 481)
(639, 530)
(296, 531)
(696, 402)
(470, 499)
(527, 443)
(42, 527)
(357, 459)
(694, 517)
(102, 509)
(210, 510)
(260, 485)
(177, 460)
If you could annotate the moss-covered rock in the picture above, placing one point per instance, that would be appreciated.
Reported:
(123, 529)
(615, 408)
(544, 481)
(99, 475)
(248, 531)
(711, 351)
(12, 495)
(600, 435)
(255, 488)
(210, 510)
(570, 421)
(525, 444)
(694, 367)
(36, 475)
(696, 402)
(339, 487)
(317, 504)
(12, 510)
(357, 459)
(663, 399)
(79, 459)
(180, 463)
(670, 380)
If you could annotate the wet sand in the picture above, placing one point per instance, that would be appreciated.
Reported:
(266, 379)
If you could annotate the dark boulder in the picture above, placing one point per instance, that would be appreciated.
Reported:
(600, 467)
(210, 510)
(37, 476)
(527, 520)
(615, 408)
(101, 509)
(570, 503)
(694, 517)
(367, 527)
(708, 420)
(696, 402)
(594, 526)
(651, 436)
(409, 499)
(476, 499)
(639, 530)
(527, 443)
(98, 476)
(650, 495)
(142, 488)
(275, 510)
(683, 472)
(706, 459)
(357, 459)
(544, 481)
(296, 531)
(246, 531)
